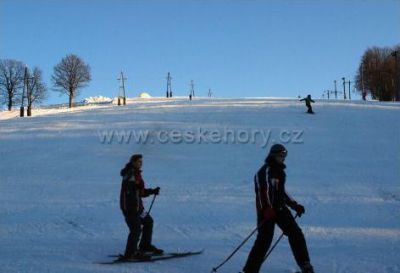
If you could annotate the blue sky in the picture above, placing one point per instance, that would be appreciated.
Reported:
(237, 48)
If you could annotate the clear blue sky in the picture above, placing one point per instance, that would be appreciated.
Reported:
(237, 48)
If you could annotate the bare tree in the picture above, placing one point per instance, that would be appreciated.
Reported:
(11, 81)
(71, 75)
(377, 74)
(36, 88)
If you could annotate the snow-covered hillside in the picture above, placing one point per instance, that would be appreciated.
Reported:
(59, 183)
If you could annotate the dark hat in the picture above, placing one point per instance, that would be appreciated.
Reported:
(135, 157)
(277, 148)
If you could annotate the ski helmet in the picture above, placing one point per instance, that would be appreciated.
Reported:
(277, 148)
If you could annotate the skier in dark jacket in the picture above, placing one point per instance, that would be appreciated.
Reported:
(271, 202)
(131, 204)
(308, 101)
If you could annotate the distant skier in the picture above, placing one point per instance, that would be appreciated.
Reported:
(272, 201)
(190, 97)
(308, 101)
(132, 191)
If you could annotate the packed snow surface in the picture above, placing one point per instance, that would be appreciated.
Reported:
(60, 183)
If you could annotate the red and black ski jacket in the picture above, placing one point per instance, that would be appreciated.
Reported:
(132, 192)
(269, 183)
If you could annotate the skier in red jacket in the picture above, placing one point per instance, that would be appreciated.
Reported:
(131, 204)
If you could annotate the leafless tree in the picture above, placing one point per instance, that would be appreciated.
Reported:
(36, 88)
(11, 81)
(377, 74)
(71, 75)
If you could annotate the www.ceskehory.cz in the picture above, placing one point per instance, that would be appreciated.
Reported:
(262, 137)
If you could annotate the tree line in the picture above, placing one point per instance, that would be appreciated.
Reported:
(378, 74)
(20, 84)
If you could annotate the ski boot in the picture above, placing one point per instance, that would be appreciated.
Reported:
(138, 255)
(152, 250)
(307, 268)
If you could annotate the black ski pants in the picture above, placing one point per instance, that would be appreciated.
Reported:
(287, 223)
(138, 226)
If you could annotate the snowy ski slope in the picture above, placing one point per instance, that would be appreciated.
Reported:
(59, 183)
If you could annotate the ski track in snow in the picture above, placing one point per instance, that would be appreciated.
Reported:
(59, 185)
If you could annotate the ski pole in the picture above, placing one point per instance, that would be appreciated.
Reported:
(151, 205)
(236, 250)
(276, 243)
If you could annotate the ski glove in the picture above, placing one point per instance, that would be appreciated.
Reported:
(269, 214)
(299, 209)
(156, 191)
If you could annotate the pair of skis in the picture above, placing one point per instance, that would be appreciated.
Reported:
(118, 259)
(166, 256)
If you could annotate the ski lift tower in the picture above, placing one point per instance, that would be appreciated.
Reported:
(344, 88)
(24, 92)
(121, 93)
(169, 88)
(192, 88)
